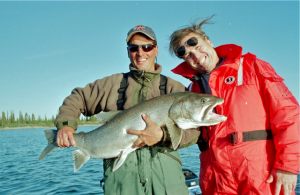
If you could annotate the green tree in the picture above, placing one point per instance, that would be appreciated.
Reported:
(27, 118)
(12, 118)
(21, 118)
(33, 118)
(3, 119)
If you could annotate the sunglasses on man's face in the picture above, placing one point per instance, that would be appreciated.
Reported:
(181, 51)
(145, 48)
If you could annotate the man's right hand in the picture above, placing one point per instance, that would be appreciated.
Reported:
(65, 137)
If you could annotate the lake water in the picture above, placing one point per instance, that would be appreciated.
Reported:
(22, 173)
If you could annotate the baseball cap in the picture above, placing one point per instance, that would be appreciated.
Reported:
(141, 29)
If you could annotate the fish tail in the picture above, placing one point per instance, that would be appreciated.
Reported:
(50, 135)
(80, 158)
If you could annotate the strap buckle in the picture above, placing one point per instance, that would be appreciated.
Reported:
(235, 138)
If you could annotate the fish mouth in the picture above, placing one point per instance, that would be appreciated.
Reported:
(211, 117)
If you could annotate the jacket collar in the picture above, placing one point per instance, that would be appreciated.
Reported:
(142, 76)
(227, 52)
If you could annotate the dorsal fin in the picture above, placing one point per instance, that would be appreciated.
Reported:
(104, 117)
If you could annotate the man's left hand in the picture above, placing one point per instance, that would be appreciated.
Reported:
(283, 179)
(151, 135)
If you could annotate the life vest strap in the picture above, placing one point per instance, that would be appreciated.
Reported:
(235, 137)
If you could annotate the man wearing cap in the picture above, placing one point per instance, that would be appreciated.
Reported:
(147, 170)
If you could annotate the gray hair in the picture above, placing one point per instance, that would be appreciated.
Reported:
(196, 28)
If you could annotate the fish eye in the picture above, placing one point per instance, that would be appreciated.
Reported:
(203, 100)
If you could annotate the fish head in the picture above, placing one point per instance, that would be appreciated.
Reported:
(195, 110)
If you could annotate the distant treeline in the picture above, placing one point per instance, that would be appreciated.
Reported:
(9, 119)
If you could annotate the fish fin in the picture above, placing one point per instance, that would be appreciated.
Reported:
(187, 123)
(103, 117)
(175, 133)
(121, 158)
(50, 135)
(80, 158)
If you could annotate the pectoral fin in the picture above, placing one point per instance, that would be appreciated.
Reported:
(175, 133)
(121, 158)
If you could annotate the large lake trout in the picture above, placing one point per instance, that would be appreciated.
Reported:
(184, 109)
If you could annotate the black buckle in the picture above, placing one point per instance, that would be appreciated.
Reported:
(233, 138)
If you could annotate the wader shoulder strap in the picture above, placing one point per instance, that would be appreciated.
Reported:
(124, 84)
(163, 84)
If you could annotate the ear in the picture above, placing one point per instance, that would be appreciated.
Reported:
(156, 50)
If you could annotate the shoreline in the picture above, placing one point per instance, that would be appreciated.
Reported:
(36, 127)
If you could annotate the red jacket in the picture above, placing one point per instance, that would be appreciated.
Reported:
(256, 98)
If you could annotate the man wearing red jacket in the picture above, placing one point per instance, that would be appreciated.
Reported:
(257, 150)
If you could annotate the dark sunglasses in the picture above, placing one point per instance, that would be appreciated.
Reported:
(145, 48)
(180, 51)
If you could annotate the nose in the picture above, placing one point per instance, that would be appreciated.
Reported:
(190, 51)
(140, 50)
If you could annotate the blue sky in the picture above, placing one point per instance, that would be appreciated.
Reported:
(49, 48)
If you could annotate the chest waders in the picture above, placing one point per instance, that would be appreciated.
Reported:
(148, 170)
(124, 84)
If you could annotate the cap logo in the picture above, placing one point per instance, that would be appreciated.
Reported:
(139, 27)
(229, 80)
